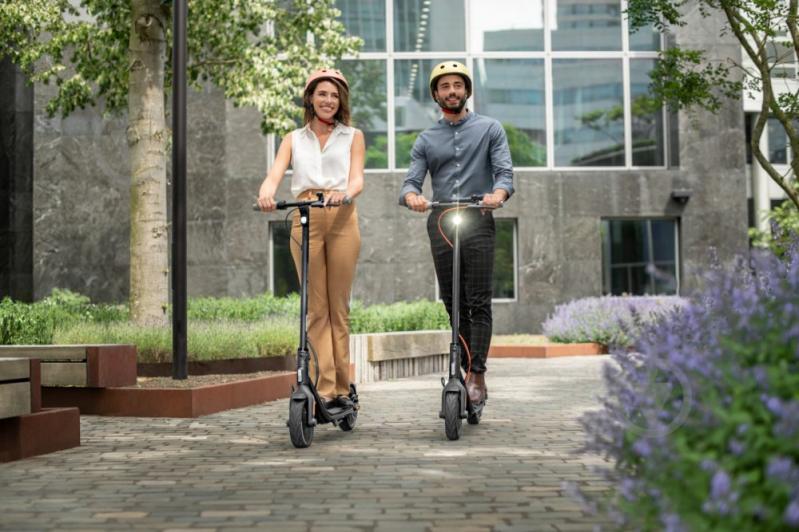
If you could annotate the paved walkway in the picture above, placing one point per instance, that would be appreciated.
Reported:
(396, 471)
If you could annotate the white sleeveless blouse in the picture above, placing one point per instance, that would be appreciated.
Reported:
(328, 168)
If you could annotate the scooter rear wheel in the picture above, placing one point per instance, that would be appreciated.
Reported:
(300, 432)
(453, 424)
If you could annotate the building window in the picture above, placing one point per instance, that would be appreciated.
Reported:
(365, 19)
(640, 256)
(507, 26)
(589, 112)
(586, 26)
(512, 91)
(284, 275)
(777, 142)
(646, 117)
(505, 259)
(367, 79)
(568, 79)
(426, 26)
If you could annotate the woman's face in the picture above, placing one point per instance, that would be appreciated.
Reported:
(325, 100)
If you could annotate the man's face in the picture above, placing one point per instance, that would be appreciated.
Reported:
(451, 92)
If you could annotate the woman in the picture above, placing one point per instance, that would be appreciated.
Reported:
(327, 155)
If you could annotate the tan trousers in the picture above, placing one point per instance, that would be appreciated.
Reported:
(334, 244)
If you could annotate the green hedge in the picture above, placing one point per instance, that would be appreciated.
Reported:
(219, 328)
(215, 340)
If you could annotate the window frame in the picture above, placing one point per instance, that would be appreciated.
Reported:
(605, 253)
(548, 55)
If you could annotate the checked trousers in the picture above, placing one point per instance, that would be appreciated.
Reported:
(477, 236)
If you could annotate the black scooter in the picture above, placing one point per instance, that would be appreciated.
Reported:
(306, 407)
(455, 402)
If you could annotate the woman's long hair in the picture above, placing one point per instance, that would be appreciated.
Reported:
(343, 113)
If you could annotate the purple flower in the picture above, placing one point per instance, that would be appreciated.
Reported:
(791, 515)
(774, 405)
(643, 448)
(736, 447)
(720, 485)
(783, 469)
(708, 465)
(672, 523)
(788, 425)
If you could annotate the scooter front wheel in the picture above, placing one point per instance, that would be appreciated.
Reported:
(453, 424)
(300, 432)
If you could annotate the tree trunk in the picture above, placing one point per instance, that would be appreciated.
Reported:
(149, 271)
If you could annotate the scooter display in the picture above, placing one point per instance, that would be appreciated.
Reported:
(455, 402)
(306, 407)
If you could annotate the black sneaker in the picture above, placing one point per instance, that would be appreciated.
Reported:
(343, 401)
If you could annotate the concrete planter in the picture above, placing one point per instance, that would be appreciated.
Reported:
(550, 350)
(382, 356)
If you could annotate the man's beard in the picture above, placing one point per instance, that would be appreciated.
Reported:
(457, 109)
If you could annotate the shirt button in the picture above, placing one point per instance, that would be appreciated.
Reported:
(457, 164)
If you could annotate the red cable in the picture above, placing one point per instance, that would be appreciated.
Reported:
(444, 236)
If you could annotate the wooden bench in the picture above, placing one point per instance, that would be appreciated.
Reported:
(87, 366)
(20, 388)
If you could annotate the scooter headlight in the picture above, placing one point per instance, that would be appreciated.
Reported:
(457, 218)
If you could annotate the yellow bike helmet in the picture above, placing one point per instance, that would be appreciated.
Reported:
(450, 67)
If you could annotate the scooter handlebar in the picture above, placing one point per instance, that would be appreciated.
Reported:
(318, 202)
(474, 201)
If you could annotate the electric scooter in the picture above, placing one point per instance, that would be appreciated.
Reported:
(306, 407)
(455, 402)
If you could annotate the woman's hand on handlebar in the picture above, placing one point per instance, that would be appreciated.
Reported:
(336, 197)
(416, 202)
(267, 203)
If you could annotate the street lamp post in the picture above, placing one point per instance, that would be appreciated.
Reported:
(179, 357)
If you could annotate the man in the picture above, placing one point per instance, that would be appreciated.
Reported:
(466, 154)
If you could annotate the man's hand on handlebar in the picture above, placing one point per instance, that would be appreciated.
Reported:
(495, 199)
(416, 202)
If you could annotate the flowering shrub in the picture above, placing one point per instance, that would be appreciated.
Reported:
(608, 320)
(702, 418)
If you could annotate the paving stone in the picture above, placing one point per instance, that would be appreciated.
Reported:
(237, 470)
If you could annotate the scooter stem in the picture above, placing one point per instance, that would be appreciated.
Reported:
(456, 304)
(303, 376)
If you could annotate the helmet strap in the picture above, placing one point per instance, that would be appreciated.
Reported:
(328, 122)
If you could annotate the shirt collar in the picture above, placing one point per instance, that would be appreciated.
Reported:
(443, 121)
(336, 129)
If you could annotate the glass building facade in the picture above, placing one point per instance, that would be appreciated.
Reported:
(566, 78)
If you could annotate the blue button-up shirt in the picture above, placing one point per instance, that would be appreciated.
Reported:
(464, 158)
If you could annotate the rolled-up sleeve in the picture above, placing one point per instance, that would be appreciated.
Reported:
(417, 170)
(501, 164)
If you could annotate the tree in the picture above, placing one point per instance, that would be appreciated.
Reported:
(767, 32)
(117, 53)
